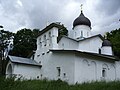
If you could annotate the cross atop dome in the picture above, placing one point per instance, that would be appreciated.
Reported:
(81, 19)
(81, 6)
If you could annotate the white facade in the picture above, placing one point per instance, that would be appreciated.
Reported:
(87, 70)
(82, 31)
(23, 71)
(76, 58)
(106, 50)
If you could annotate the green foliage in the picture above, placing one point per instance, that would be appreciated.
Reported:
(114, 37)
(24, 42)
(62, 31)
(5, 37)
(11, 84)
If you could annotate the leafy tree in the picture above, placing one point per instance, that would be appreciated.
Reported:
(5, 37)
(62, 31)
(114, 37)
(24, 42)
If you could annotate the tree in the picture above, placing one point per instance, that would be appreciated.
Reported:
(5, 37)
(114, 37)
(62, 31)
(24, 42)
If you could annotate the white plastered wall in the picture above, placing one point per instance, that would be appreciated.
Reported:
(90, 45)
(90, 69)
(86, 32)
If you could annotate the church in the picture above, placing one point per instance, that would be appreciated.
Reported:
(76, 58)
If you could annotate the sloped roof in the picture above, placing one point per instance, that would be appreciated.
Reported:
(106, 43)
(59, 26)
(98, 35)
(109, 57)
(77, 40)
(21, 60)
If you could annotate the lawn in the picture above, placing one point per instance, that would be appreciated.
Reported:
(11, 84)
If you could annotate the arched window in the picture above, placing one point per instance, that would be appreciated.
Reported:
(104, 74)
(50, 38)
(104, 70)
(63, 45)
(49, 34)
(59, 71)
(40, 42)
(45, 40)
(81, 33)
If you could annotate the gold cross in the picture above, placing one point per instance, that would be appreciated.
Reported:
(81, 6)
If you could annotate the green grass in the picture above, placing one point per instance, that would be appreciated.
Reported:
(11, 84)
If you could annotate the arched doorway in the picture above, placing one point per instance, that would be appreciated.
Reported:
(9, 70)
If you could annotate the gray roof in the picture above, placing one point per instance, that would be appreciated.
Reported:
(81, 20)
(109, 57)
(21, 60)
(47, 28)
(106, 43)
(78, 40)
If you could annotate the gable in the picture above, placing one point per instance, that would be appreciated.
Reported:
(47, 28)
(80, 53)
(92, 44)
(67, 43)
(95, 36)
(20, 60)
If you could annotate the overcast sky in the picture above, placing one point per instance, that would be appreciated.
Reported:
(16, 14)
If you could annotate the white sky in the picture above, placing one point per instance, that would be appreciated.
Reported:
(16, 14)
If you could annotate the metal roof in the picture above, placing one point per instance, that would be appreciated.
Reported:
(47, 28)
(81, 20)
(109, 57)
(78, 40)
(106, 43)
(21, 60)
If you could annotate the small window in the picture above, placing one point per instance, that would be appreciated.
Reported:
(38, 55)
(63, 45)
(49, 34)
(40, 42)
(87, 33)
(45, 40)
(64, 75)
(40, 62)
(43, 53)
(99, 51)
(81, 33)
(59, 71)
(50, 38)
(104, 72)
(37, 77)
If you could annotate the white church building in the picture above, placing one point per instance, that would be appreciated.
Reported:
(76, 58)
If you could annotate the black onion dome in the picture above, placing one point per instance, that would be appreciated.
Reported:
(106, 43)
(81, 20)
